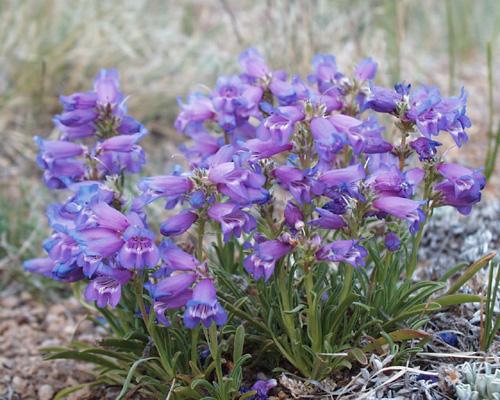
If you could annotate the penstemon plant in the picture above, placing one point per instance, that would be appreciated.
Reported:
(293, 235)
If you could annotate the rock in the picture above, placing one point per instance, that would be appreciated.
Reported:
(45, 392)
(10, 302)
(19, 384)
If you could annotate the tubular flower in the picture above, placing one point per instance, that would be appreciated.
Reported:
(348, 251)
(461, 187)
(260, 264)
(204, 308)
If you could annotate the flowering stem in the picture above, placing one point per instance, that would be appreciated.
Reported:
(211, 335)
(402, 151)
(288, 320)
(195, 333)
(312, 317)
(418, 238)
(199, 244)
(138, 286)
(346, 286)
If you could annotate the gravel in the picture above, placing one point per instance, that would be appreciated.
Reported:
(25, 326)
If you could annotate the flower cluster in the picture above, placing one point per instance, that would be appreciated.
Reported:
(98, 138)
(97, 236)
(294, 169)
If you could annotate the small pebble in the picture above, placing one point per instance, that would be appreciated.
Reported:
(45, 392)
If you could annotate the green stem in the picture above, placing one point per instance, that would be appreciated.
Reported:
(139, 286)
(195, 334)
(215, 352)
(346, 285)
(164, 359)
(288, 320)
(418, 238)
(201, 233)
(311, 312)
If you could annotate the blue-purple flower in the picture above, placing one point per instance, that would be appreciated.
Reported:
(232, 219)
(179, 223)
(204, 308)
(392, 241)
(461, 187)
(348, 251)
(105, 289)
(171, 293)
(403, 208)
(260, 264)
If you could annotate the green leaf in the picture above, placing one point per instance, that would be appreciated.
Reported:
(358, 355)
(204, 384)
(455, 299)
(239, 341)
(247, 395)
(130, 375)
(470, 272)
(76, 355)
(396, 336)
(132, 346)
(72, 389)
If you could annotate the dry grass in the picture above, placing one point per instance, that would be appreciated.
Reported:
(164, 49)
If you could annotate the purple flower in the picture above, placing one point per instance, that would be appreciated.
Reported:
(294, 217)
(172, 187)
(347, 251)
(366, 70)
(121, 153)
(449, 338)
(338, 203)
(283, 90)
(106, 289)
(171, 293)
(176, 259)
(204, 146)
(108, 232)
(400, 207)
(139, 249)
(260, 264)
(266, 148)
(392, 241)
(41, 266)
(328, 220)
(106, 86)
(327, 140)
(52, 150)
(383, 100)
(425, 148)
(461, 187)
(232, 219)
(234, 101)
(253, 65)
(241, 185)
(453, 117)
(262, 387)
(198, 109)
(367, 138)
(204, 307)
(325, 72)
(295, 181)
(80, 101)
(390, 181)
(62, 173)
(76, 118)
(341, 181)
(339, 176)
(178, 224)
(281, 123)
